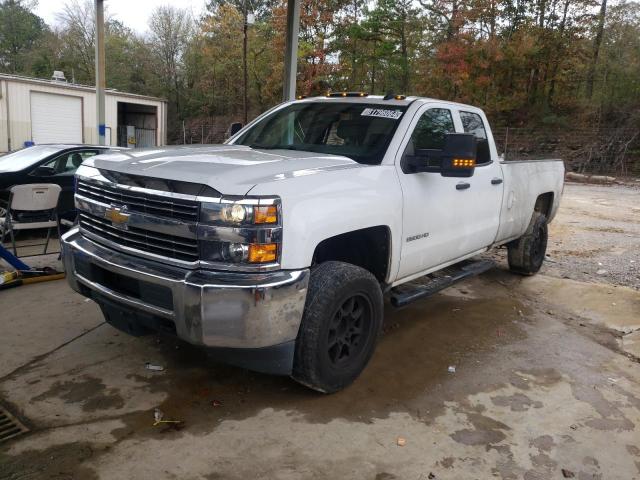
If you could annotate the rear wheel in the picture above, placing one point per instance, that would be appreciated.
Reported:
(527, 253)
(340, 326)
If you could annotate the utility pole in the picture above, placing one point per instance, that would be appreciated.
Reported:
(100, 72)
(245, 26)
(291, 53)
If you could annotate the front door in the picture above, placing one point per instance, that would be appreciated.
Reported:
(443, 218)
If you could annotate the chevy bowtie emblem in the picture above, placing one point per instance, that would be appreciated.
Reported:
(118, 216)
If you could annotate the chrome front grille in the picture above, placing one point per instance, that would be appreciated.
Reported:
(157, 205)
(170, 246)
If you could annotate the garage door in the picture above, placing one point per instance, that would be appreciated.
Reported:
(56, 118)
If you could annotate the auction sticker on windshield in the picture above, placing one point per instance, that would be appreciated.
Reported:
(381, 112)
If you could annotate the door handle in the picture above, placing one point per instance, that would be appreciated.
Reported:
(496, 181)
(462, 186)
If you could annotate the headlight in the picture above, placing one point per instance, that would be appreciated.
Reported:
(236, 214)
(235, 252)
(241, 230)
(239, 253)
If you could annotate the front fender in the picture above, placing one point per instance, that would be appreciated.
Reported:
(320, 206)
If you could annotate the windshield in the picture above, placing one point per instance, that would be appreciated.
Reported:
(16, 161)
(359, 131)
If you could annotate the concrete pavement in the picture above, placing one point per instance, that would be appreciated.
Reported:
(541, 384)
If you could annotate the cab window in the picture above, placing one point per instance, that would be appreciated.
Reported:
(432, 128)
(429, 135)
(472, 123)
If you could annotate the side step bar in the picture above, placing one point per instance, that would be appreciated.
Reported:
(407, 293)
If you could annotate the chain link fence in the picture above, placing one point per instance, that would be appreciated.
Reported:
(601, 151)
(206, 131)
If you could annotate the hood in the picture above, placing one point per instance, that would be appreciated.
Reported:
(230, 169)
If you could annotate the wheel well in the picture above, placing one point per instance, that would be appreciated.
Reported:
(368, 248)
(544, 203)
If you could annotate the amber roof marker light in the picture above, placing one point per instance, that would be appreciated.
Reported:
(393, 96)
(346, 94)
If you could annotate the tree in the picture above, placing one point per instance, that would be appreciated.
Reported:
(128, 64)
(619, 89)
(170, 32)
(77, 33)
(386, 40)
(20, 32)
(260, 8)
(222, 60)
(597, 41)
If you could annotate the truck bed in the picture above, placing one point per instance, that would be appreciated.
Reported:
(525, 181)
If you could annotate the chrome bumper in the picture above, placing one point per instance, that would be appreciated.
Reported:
(210, 308)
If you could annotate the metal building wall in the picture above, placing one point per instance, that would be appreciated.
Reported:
(16, 99)
(3, 116)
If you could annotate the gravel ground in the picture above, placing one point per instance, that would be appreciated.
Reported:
(595, 236)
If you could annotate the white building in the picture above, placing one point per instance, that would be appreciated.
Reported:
(54, 111)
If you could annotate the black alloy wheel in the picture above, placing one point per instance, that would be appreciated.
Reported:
(340, 326)
(349, 330)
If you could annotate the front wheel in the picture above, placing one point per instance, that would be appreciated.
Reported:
(526, 254)
(340, 326)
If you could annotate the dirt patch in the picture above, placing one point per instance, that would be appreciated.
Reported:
(615, 307)
(447, 462)
(385, 476)
(478, 437)
(543, 460)
(60, 462)
(517, 402)
(579, 253)
(630, 343)
(633, 450)
(89, 391)
(612, 418)
(544, 443)
(604, 229)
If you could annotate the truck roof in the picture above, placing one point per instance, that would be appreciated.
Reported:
(380, 99)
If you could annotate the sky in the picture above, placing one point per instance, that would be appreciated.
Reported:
(133, 13)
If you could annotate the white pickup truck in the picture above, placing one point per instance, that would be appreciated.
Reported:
(275, 249)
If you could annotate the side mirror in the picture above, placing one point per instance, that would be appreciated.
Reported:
(456, 159)
(44, 171)
(459, 155)
(235, 128)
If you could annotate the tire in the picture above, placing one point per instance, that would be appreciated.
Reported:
(526, 254)
(340, 326)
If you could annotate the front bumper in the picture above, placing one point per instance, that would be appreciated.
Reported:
(209, 308)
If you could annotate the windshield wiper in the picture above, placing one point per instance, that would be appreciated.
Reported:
(273, 147)
(263, 147)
